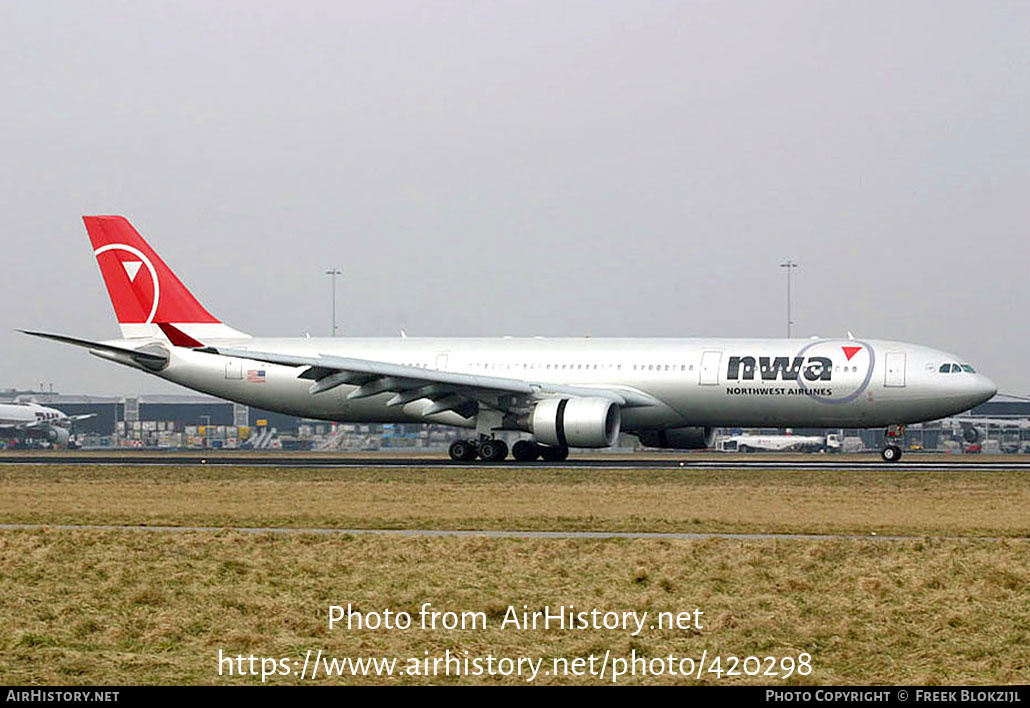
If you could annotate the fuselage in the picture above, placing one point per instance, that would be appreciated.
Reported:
(13, 415)
(695, 382)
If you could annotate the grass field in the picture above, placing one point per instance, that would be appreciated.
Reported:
(904, 503)
(123, 607)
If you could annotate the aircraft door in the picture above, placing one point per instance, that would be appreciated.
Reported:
(441, 362)
(894, 369)
(710, 363)
(233, 370)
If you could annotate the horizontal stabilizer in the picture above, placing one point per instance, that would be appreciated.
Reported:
(152, 357)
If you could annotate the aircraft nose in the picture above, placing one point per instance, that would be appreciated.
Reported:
(968, 390)
(985, 389)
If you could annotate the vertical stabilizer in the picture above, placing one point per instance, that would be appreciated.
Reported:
(143, 289)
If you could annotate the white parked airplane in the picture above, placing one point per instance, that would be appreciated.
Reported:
(28, 420)
(564, 393)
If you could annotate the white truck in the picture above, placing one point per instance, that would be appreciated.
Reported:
(780, 443)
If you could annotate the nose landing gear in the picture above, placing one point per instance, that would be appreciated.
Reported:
(892, 452)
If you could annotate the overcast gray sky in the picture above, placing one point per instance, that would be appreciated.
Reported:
(552, 168)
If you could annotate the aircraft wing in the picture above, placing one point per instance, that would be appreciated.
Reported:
(449, 391)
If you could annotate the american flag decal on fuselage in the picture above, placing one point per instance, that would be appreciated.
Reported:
(256, 375)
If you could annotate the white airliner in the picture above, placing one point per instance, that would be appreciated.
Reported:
(28, 420)
(574, 392)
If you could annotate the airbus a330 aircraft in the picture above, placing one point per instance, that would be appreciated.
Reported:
(564, 393)
(31, 421)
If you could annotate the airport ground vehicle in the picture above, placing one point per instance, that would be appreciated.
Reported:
(831, 442)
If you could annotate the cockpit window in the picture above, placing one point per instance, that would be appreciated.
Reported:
(968, 369)
(945, 369)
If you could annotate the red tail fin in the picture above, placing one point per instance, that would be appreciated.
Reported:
(144, 291)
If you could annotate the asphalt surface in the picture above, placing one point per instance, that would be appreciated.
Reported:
(925, 463)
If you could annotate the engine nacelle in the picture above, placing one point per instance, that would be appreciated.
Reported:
(576, 422)
(694, 437)
(970, 434)
(58, 436)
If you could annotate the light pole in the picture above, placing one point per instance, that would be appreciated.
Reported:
(789, 265)
(332, 274)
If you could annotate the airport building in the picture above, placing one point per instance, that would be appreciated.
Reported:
(199, 421)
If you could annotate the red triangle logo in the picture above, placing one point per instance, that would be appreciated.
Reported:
(851, 351)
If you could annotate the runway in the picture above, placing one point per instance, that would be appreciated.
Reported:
(923, 463)
(492, 533)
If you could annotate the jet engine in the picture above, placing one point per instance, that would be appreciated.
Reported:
(970, 434)
(576, 422)
(689, 438)
(58, 436)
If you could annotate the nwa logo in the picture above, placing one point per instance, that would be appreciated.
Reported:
(780, 368)
(818, 361)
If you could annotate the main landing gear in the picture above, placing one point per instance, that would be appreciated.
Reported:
(492, 450)
(487, 449)
(892, 452)
(528, 451)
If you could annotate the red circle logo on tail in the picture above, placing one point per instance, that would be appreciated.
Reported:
(131, 281)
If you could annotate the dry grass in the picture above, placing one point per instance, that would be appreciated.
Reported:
(953, 503)
(93, 607)
(127, 607)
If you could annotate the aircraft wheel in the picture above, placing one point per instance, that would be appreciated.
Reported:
(891, 453)
(462, 451)
(525, 451)
(554, 454)
(493, 450)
